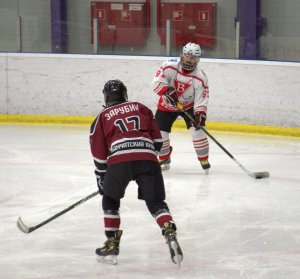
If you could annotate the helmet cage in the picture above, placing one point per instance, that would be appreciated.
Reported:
(188, 65)
(190, 49)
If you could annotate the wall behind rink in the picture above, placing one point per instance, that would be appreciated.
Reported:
(246, 92)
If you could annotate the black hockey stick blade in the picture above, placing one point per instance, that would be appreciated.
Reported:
(260, 175)
(23, 227)
(256, 175)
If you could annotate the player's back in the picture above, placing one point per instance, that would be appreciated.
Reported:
(129, 130)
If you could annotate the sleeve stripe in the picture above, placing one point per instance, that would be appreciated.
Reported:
(160, 88)
(99, 161)
(158, 140)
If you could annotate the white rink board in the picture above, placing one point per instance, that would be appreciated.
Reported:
(3, 101)
(247, 92)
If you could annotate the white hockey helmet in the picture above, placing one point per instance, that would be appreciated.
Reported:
(190, 49)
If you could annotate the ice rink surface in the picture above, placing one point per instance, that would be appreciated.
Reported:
(229, 224)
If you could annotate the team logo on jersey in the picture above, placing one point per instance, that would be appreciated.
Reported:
(181, 87)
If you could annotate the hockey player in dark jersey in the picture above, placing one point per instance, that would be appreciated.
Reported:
(124, 140)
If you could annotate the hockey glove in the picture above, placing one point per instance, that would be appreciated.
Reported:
(100, 180)
(157, 146)
(171, 97)
(200, 118)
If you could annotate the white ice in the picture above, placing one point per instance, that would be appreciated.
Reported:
(229, 224)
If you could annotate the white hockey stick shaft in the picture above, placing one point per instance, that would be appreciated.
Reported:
(256, 175)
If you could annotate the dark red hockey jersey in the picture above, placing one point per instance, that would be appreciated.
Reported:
(124, 132)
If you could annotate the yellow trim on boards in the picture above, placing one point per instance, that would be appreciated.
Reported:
(178, 125)
(247, 128)
(45, 119)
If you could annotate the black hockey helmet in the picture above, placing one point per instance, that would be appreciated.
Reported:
(115, 91)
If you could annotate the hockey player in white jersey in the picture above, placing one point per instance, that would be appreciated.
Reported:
(182, 80)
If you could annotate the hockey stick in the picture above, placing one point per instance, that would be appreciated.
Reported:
(256, 175)
(26, 229)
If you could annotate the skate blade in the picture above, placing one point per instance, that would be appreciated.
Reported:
(177, 258)
(165, 167)
(112, 259)
(206, 171)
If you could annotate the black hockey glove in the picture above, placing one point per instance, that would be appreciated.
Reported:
(157, 146)
(200, 118)
(100, 180)
(171, 97)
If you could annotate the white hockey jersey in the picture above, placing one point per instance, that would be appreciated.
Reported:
(192, 87)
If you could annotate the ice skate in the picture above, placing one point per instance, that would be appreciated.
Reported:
(175, 250)
(205, 165)
(109, 252)
(165, 164)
